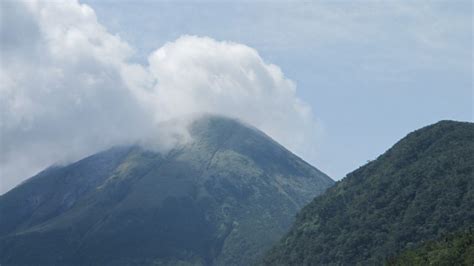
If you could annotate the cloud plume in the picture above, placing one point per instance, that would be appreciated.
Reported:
(68, 89)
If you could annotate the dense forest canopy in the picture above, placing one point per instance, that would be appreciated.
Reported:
(419, 190)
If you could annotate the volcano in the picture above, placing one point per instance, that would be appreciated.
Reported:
(222, 198)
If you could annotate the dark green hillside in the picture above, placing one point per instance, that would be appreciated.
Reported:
(453, 249)
(419, 190)
(222, 199)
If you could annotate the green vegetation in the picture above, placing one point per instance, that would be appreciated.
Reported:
(454, 249)
(420, 189)
(222, 199)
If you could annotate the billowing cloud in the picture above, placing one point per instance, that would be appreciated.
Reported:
(67, 89)
(61, 91)
(194, 74)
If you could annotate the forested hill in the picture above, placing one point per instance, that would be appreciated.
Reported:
(453, 249)
(419, 190)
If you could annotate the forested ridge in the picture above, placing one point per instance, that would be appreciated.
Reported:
(452, 249)
(419, 190)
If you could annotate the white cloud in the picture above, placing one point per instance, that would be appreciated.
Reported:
(196, 74)
(61, 94)
(67, 89)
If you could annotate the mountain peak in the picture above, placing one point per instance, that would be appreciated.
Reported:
(221, 198)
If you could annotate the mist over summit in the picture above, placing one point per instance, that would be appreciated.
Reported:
(71, 89)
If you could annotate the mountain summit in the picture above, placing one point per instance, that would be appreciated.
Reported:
(221, 199)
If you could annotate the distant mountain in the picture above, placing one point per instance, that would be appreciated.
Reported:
(221, 199)
(419, 190)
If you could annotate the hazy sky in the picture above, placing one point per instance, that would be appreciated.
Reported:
(337, 82)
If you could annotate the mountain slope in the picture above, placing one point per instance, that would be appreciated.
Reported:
(453, 249)
(221, 199)
(420, 189)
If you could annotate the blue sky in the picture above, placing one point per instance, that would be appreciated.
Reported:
(372, 71)
(337, 82)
